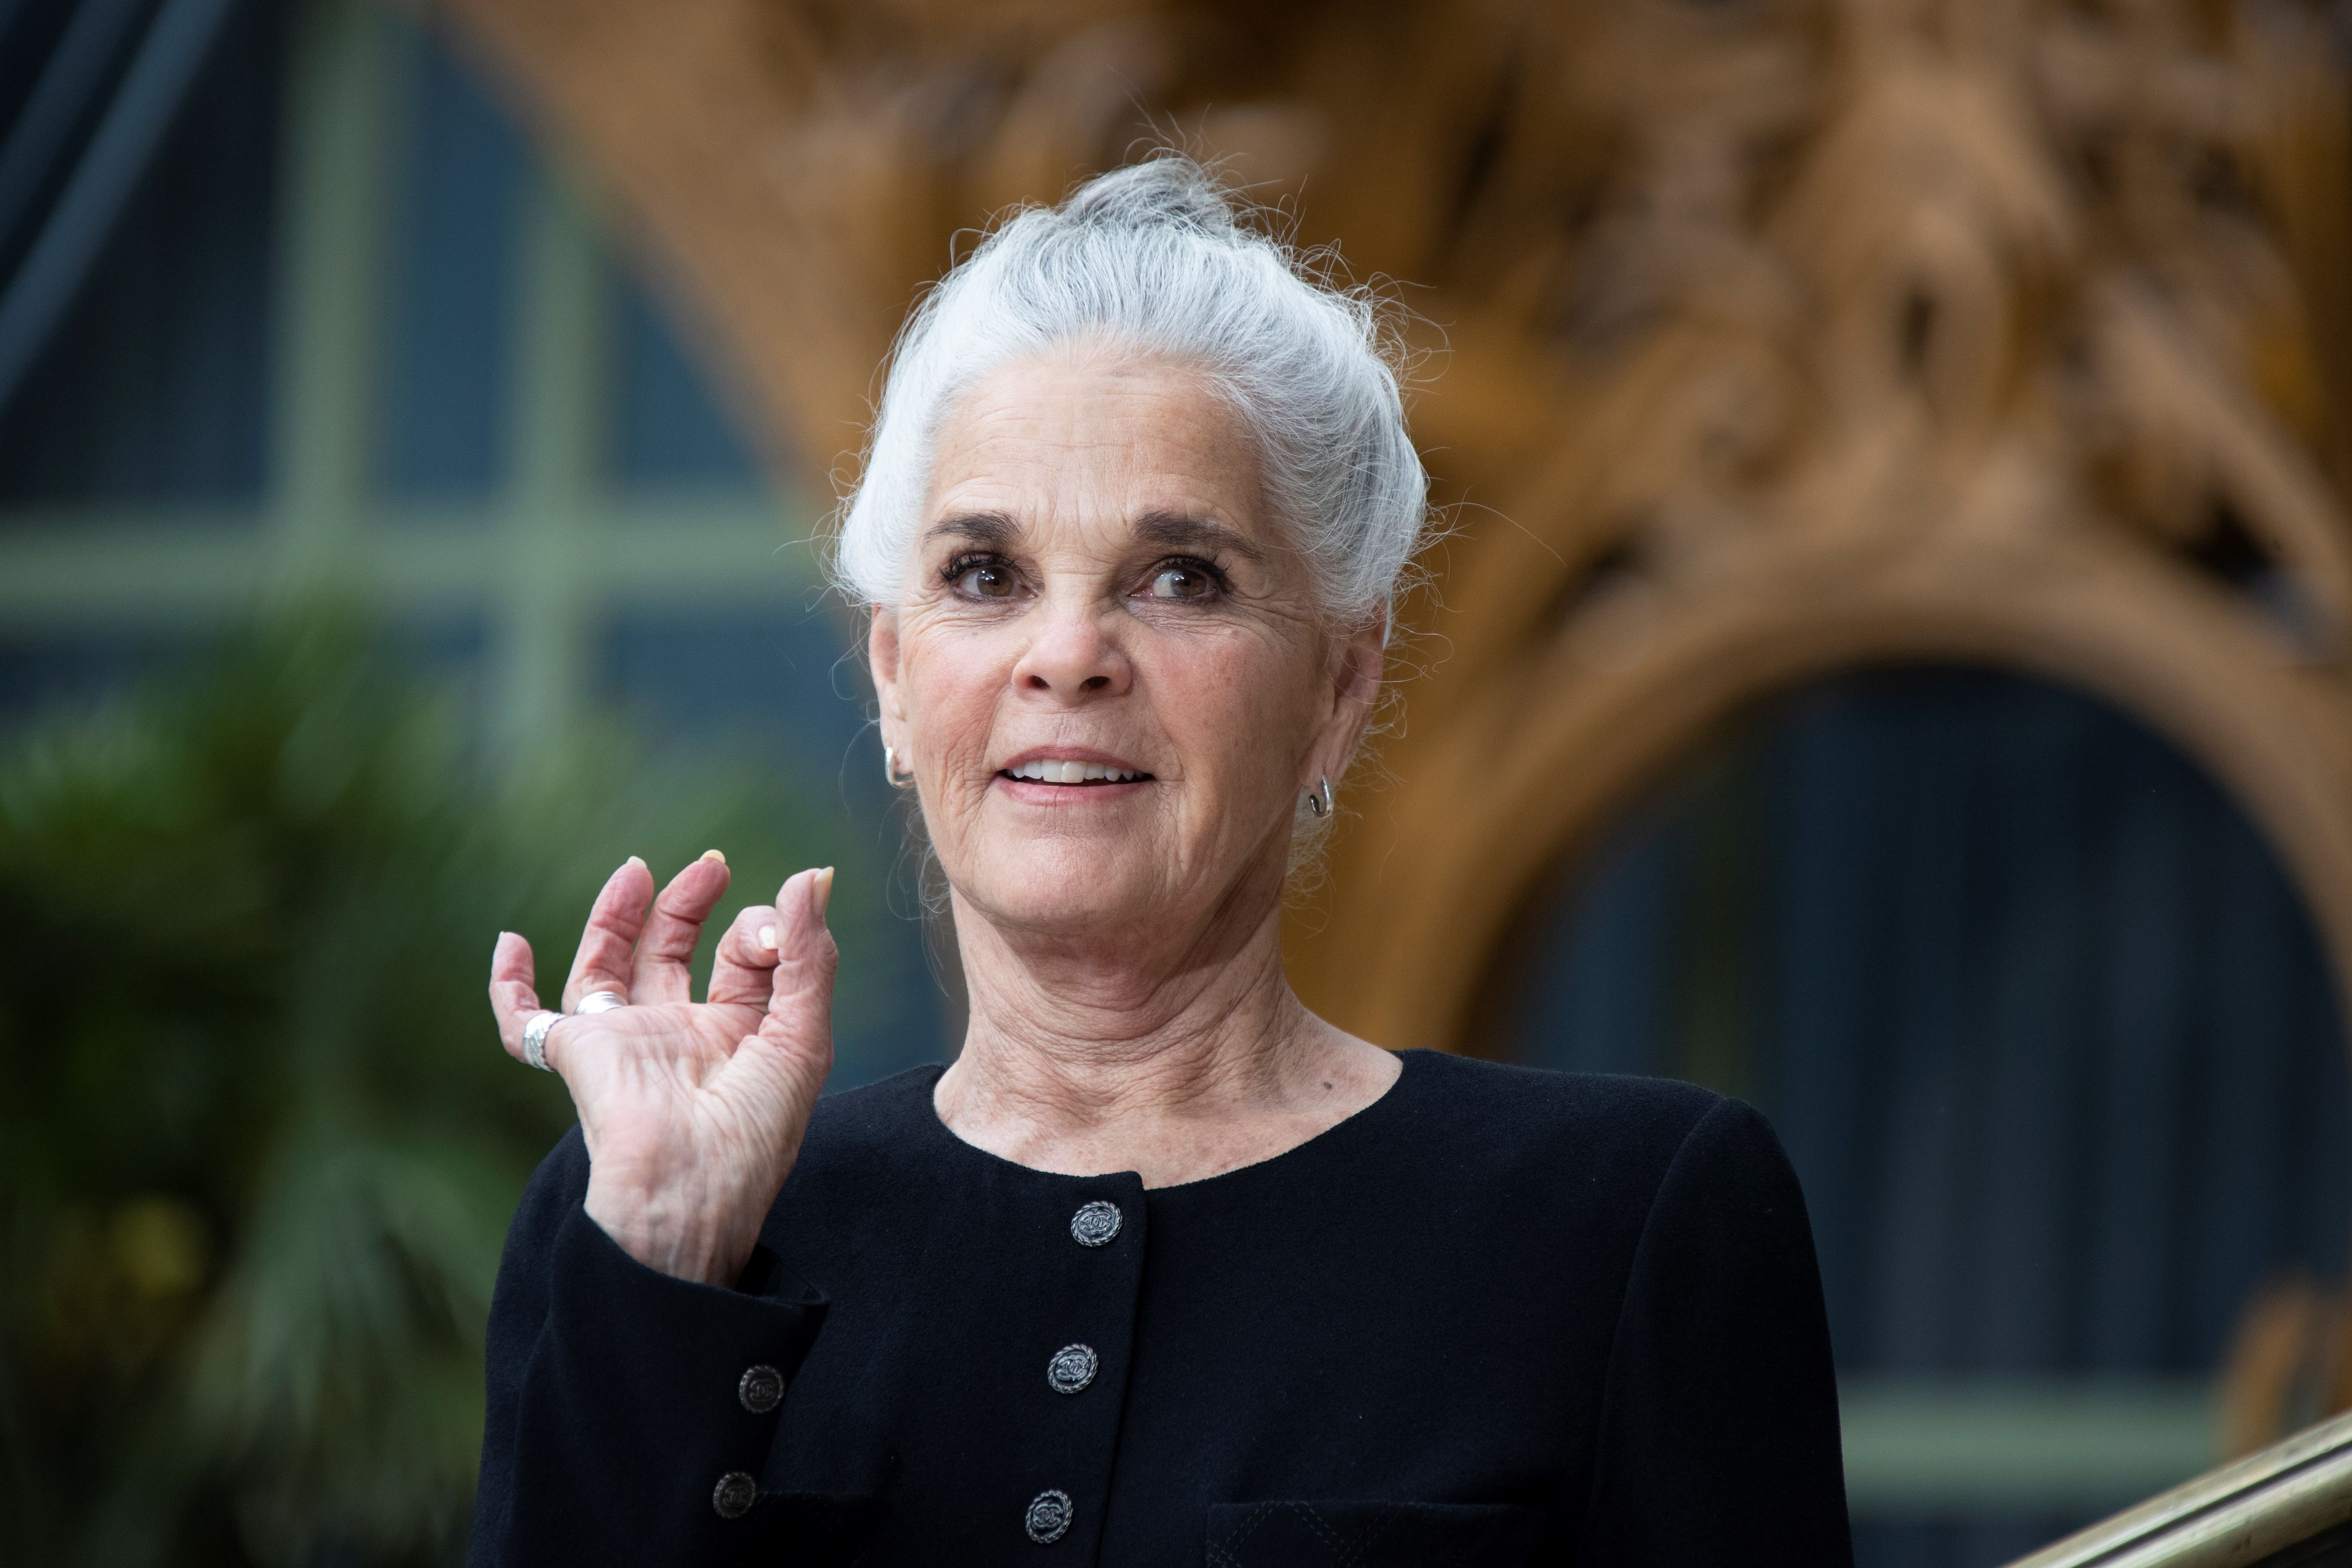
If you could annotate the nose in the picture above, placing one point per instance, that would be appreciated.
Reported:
(1071, 658)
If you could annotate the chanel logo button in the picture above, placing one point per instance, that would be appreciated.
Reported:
(1072, 1368)
(1094, 1224)
(734, 1495)
(761, 1389)
(1048, 1518)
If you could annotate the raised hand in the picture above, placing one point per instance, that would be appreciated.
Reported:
(693, 1112)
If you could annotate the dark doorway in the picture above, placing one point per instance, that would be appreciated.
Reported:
(2043, 1023)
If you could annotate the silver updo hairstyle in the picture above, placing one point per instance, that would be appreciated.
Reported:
(1161, 258)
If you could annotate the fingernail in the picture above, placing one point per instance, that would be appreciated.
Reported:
(768, 938)
(714, 855)
(821, 891)
(634, 860)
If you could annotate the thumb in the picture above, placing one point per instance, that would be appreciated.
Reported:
(793, 1051)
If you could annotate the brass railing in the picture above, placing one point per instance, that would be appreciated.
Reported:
(2281, 1506)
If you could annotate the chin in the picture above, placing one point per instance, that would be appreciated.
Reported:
(1060, 887)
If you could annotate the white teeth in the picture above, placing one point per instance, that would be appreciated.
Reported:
(1051, 771)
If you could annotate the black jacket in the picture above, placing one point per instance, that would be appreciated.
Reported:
(1500, 1316)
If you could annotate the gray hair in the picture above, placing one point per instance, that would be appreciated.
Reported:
(1161, 257)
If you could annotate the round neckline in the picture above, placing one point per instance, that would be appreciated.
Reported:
(1407, 1066)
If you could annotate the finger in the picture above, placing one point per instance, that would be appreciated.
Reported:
(785, 1062)
(746, 958)
(665, 947)
(804, 950)
(512, 999)
(608, 946)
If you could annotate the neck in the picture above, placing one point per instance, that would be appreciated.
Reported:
(1176, 1058)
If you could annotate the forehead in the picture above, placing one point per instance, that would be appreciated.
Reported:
(1095, 438)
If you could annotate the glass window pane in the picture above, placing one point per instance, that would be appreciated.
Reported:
(669, 431)
(450, 297)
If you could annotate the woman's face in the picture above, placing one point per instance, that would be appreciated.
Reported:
(1107, 671)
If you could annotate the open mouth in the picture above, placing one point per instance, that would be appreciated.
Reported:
(1048, 771)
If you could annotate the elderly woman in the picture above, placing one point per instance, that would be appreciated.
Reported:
(1163, 1269)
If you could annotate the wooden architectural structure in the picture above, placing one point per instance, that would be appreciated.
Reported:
(1765, 338)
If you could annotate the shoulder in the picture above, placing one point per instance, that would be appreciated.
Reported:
(1625, 1135)
(865, 1150)
(1512, 1105)
(878, 1119)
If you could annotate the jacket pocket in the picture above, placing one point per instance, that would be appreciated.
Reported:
(1335, 1534)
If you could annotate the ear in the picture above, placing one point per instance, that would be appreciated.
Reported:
(1364, 662)
(882, 662)
(1359, 666)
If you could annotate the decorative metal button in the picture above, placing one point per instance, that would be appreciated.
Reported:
(1094, 1224)
(734, 1495)
(1072, 1368)
(1048, 1518)
(761, 1389)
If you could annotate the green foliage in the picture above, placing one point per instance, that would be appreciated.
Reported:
(258, 1143)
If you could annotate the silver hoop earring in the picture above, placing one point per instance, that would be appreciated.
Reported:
(1318, 799)
(890, 769)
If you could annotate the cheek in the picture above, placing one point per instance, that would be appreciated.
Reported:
(950, 696)
(1238, 708)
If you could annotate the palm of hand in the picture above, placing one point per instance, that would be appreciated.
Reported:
(649, 1080)
(692, 1111)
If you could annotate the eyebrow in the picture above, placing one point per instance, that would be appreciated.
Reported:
(1161, 529)
(977, 528)
(1173, 531)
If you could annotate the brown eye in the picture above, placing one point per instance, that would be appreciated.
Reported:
(1181, 582)
(985, 582)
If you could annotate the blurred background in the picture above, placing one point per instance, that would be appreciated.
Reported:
(1888, 659)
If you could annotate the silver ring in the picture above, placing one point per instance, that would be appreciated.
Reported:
(599, 1002)
(534, 1038)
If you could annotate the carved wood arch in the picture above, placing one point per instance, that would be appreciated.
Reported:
(1778, 336)
(1433, 891)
